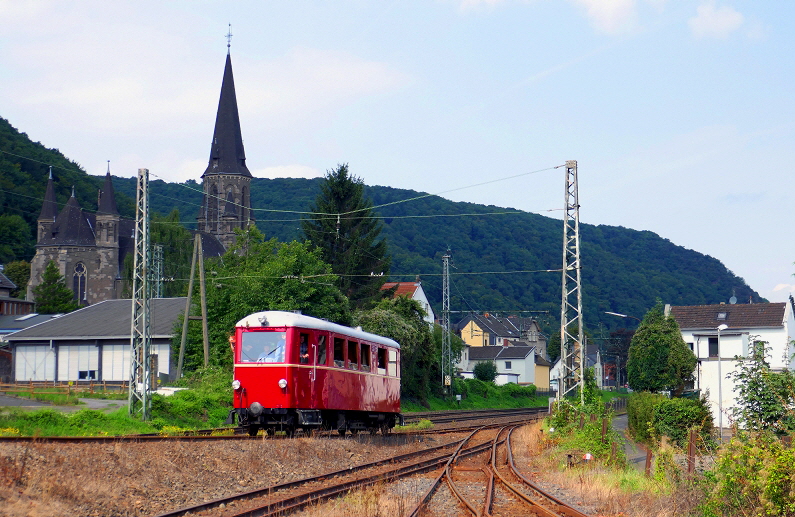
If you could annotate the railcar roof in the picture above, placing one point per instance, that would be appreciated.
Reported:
(291, 319)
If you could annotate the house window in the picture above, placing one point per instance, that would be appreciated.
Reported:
(79, 283)
(690, 346)
(721, 316)
(713, 347)
(507, 365)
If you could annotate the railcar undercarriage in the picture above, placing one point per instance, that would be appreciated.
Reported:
(271, 420)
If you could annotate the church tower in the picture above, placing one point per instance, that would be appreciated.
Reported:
(226, 204)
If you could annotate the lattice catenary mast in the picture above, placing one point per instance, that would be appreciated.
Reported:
(447, 353)
(140, 335)
(157, 271)
(572, 348)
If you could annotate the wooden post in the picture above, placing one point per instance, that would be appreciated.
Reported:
(604, 429)
(582, 421)
(648, 463)
(614, 452)
(691, 452)
(203, 294)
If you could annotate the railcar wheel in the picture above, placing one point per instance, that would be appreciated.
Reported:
(289, 431)
(341, 432)
(308, 432)
(354, 432)
(270, 431)
(385, 429)
(253, 430)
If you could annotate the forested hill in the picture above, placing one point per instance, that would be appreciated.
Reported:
(624, 270)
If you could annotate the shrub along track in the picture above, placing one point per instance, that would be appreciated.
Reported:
(453, 419)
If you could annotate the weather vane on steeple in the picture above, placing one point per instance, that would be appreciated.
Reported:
(229, 39)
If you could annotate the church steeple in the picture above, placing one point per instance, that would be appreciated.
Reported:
(49, 210)
(226, 204)
(226, 152)
(107, 199)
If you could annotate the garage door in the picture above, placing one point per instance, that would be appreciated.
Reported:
(34, 363)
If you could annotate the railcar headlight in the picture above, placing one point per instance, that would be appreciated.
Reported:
(235, 384)
(282, 383)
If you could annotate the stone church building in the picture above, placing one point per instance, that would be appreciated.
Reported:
(89, 248)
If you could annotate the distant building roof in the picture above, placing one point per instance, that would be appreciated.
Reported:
(491, 353)
(5, 283)
(403, 288)
(104, 320)
(13, 322)
(733, 315)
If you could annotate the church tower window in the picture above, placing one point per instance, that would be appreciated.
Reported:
(79, 283)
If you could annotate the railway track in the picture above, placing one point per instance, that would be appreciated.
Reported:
(290, 497)
(472, 480)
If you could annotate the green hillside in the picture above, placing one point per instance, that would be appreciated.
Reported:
(624, 270)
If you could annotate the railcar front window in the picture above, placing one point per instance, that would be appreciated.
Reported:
(263, 347)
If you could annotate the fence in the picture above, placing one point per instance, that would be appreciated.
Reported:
(53, 387)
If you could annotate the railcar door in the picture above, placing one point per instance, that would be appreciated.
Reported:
(304, 372)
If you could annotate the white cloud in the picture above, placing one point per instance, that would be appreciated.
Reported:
(714, 22)
(287, 171)
(610, 16)
(306, 82)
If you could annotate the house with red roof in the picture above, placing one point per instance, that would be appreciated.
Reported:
(414, 291)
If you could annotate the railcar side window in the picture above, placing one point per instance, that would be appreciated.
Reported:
(393, 369)
(381, 358)
(303, 348)
(321, 350)
(353, 360)
(365, 357)
(263, 347)
(339, 352)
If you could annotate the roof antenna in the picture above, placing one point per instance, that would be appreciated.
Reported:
(229, 39)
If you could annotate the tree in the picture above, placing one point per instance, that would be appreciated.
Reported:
(19, 273)
(177, 244)
(259, 275)
(51, 295)
(402, 319)
(485, 371)
(15, 240)
(343, 226)
(659, 359)
(764, 397)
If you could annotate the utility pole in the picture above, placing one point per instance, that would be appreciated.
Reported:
(447, 353)
(140, 332)
(572, 348)
(157, 271)
(198, 256)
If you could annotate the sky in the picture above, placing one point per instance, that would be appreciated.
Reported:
(680, 113)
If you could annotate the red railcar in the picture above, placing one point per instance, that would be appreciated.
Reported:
(297, 372)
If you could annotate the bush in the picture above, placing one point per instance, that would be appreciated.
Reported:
(516, 391)
(753, 475)
(673, 418)
(485, 371)
(640, 416)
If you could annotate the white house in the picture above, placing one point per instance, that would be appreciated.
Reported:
(593, 359)
(740, 325)
(414, 291)
(514, 363)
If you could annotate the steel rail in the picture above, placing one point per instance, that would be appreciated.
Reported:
(293, 484)
(560, 507)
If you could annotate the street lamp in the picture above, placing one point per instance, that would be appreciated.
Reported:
(721, 327)
(623, 315)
